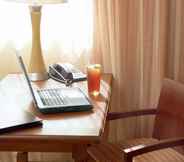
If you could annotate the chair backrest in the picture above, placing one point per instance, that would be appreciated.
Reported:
(169, 121)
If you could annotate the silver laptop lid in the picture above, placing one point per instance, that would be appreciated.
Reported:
(26, 76)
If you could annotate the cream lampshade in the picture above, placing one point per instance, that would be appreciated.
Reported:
(37, 70)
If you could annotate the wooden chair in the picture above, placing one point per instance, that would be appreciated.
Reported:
(168, 132)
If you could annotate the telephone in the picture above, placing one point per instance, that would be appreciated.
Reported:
(66, 73)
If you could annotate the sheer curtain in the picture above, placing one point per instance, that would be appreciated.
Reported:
(66, 33)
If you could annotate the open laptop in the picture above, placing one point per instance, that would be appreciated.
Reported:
(56, 100)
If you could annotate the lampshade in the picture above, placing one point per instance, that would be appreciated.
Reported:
(37, 2)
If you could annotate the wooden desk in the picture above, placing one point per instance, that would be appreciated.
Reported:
(64, 132)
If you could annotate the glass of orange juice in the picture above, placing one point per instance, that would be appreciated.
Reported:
(93, 79)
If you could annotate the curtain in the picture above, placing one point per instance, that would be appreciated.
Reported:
(131, 40)
(175, 66)
(66, 33)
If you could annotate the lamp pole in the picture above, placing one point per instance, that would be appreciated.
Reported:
(37, 70)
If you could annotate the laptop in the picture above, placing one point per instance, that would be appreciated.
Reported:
(56, 100)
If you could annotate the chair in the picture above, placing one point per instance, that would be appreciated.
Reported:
(168, 132)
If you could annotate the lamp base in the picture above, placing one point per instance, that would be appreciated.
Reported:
(38, 76)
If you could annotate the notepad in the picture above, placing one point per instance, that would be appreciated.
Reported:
(11, 120)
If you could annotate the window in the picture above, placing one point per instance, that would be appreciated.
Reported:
(67, 27)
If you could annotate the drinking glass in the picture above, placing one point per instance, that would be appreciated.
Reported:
(93, 79)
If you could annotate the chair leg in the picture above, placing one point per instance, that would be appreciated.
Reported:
(79, 153)
(22, 157)
(90, 159)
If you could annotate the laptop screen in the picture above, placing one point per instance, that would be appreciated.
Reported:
(26, 76)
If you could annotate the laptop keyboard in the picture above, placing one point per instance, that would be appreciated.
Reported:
(52, 97)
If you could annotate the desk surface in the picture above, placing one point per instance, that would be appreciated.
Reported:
(73, 127)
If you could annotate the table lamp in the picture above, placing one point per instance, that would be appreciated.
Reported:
(37, 70)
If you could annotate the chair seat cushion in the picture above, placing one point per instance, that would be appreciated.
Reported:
(107, 152)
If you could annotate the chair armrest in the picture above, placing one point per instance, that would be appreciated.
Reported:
(119, 115)
(141, 149)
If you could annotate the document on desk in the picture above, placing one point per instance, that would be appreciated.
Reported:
(11, 120)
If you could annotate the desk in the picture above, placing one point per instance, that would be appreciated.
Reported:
(64, 132)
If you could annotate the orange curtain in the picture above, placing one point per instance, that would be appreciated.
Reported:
(175, 59)
(131, 39)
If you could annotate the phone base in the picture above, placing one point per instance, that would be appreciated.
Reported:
(38, 76)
